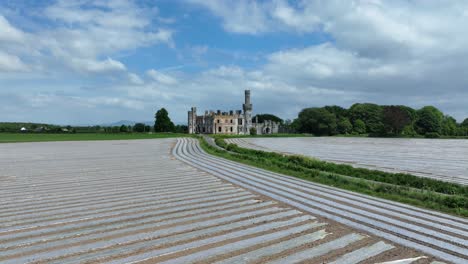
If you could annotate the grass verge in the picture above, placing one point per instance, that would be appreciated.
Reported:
(341, 135)
(266, 136)
(448, 198)
(20, 137)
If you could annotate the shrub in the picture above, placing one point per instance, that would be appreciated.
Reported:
(253, 131)
(432, 135)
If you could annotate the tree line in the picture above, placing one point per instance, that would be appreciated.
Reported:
(359, 119)
(162, 123)
(378, 120)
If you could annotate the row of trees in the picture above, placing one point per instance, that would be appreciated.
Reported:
(371, 119)
(378, 120)
(13, 127)
(162, 124)
(265, 117)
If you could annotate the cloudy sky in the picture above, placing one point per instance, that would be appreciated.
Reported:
(97, 61)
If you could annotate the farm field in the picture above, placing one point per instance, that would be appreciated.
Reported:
(443, 159)
(431, 232)
(166, 201)
(38, 137)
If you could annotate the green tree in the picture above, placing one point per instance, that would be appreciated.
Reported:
(263, 117)
(463, 128)
(464, 123)
(337, 110)
(163, 123)
(449, 126)
(317, 121)
(396, 118)
(371, 115)
(429, 120)
(344, 126)
(181, 129)
(139, 127)
(123, 128)
(359, 127)
(409, 131)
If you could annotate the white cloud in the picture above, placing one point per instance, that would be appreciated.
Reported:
(301, 20)
(226, 72)
(8, 33)
(135, 79)
(108, 14)
(102, 27)
(161, 77)
(372, 28)
(93, 66)
(326, 61)
(115, 102)
(257, 17)
(81, 33)
(387, 46)
(242, 16)
(11, 63)
(388, 52)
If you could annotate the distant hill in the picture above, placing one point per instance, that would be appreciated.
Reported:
(127, 123)
(131, 123)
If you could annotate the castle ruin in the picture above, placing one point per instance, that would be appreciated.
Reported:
(229, 123)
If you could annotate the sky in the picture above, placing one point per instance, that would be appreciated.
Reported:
(97, 61)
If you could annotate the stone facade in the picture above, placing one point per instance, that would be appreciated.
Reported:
(229, 123)
(267, 127)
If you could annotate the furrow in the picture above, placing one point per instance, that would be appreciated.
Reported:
(397, 235)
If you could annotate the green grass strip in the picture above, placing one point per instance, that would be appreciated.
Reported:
(400, 179)
(453, 201)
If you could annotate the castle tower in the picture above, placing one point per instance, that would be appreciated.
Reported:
(192, 120)
(247, 107)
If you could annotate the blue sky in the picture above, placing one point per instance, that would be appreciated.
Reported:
(97, 61)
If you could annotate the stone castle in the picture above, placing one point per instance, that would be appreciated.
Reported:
(229, 123)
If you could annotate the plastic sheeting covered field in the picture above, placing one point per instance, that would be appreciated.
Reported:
(433, 233)
(442, 159)
(134, 202)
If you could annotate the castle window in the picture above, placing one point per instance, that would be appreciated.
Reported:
(240, 121)
(231, 128)
(231, 121)
(219, 129)
(218, 121)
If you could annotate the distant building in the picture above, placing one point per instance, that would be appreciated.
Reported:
(23, 129)
(229, 123)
